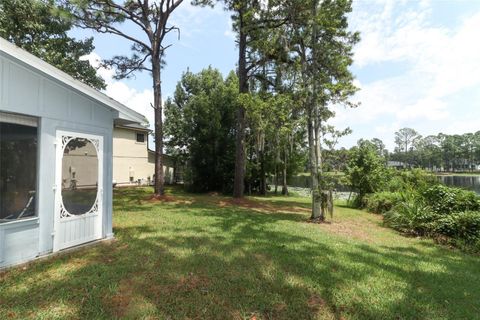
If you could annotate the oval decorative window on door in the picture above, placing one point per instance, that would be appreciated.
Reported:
(79, 176)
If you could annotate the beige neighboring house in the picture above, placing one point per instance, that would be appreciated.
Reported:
(133, 162)
(79, 165)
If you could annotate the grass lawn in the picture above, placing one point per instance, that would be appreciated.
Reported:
(208, 257)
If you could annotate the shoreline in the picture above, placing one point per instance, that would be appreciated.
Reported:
(465, 174)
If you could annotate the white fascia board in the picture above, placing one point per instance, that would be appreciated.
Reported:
(38, 64)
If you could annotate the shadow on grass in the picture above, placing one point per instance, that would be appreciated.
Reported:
(291, 203)
(131, 199)
(201, 261)
(342, 204)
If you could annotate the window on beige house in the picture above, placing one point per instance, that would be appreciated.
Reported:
(140, 137)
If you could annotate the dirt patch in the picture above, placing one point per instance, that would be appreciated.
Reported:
(351, 229)
(192, 282)
(129, 302)
(187, 283)
(166, 199)
(261, 259)
(162, 198)
(118, 304)
(279, 307)
(315, 303)
(214, 198)
(318, 220)
(259, 206)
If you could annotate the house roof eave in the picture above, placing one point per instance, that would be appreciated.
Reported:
(19, 54)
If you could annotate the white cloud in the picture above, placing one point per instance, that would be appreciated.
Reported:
(425, 65)
(463, 126)
(139, 101)
(387, 35)
(426, 108)
(193, 20)
(196, 21)
(229, 33)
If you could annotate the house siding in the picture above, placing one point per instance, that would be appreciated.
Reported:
(130, 158)
(27, 91)
(133, 159)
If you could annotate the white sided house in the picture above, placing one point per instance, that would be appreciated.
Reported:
(133, 161)
(56, 141)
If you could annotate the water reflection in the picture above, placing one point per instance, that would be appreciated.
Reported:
(466, 182)
(459, 181)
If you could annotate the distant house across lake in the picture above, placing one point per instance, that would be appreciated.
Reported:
(396, 164)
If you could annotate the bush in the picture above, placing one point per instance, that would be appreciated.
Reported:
(416, 179)
(412, 216)
(460, 225)
(395, 183)
(446, 200)
(415, 202)
(366, 170)
(381, 202)
(419, 179)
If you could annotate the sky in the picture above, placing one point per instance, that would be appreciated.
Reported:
(417, 65)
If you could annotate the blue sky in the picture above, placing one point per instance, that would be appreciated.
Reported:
(418, 64)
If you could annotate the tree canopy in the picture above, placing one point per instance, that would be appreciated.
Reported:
(366, 169)
(293, 66)
(199, 127)
(36, 26)
(441, 152)
(147, 47)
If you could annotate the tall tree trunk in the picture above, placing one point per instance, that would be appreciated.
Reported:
(175, 172)
(263, 179)
(276, 179)
(318, 149)
(314, 129)
(157, 105)
(238, 184)
(319, 159)
(284, 175)
(316, 196)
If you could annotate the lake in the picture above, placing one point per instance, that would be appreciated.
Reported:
(304, 182)
(466, 182)
(460, 181)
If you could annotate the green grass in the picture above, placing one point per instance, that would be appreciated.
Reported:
(206, 257)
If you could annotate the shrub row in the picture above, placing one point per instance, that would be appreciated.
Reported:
(423, 207)
(444, 213)
(381, 202)
(446, 200)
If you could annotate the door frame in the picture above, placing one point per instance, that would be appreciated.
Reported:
(61, 216)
